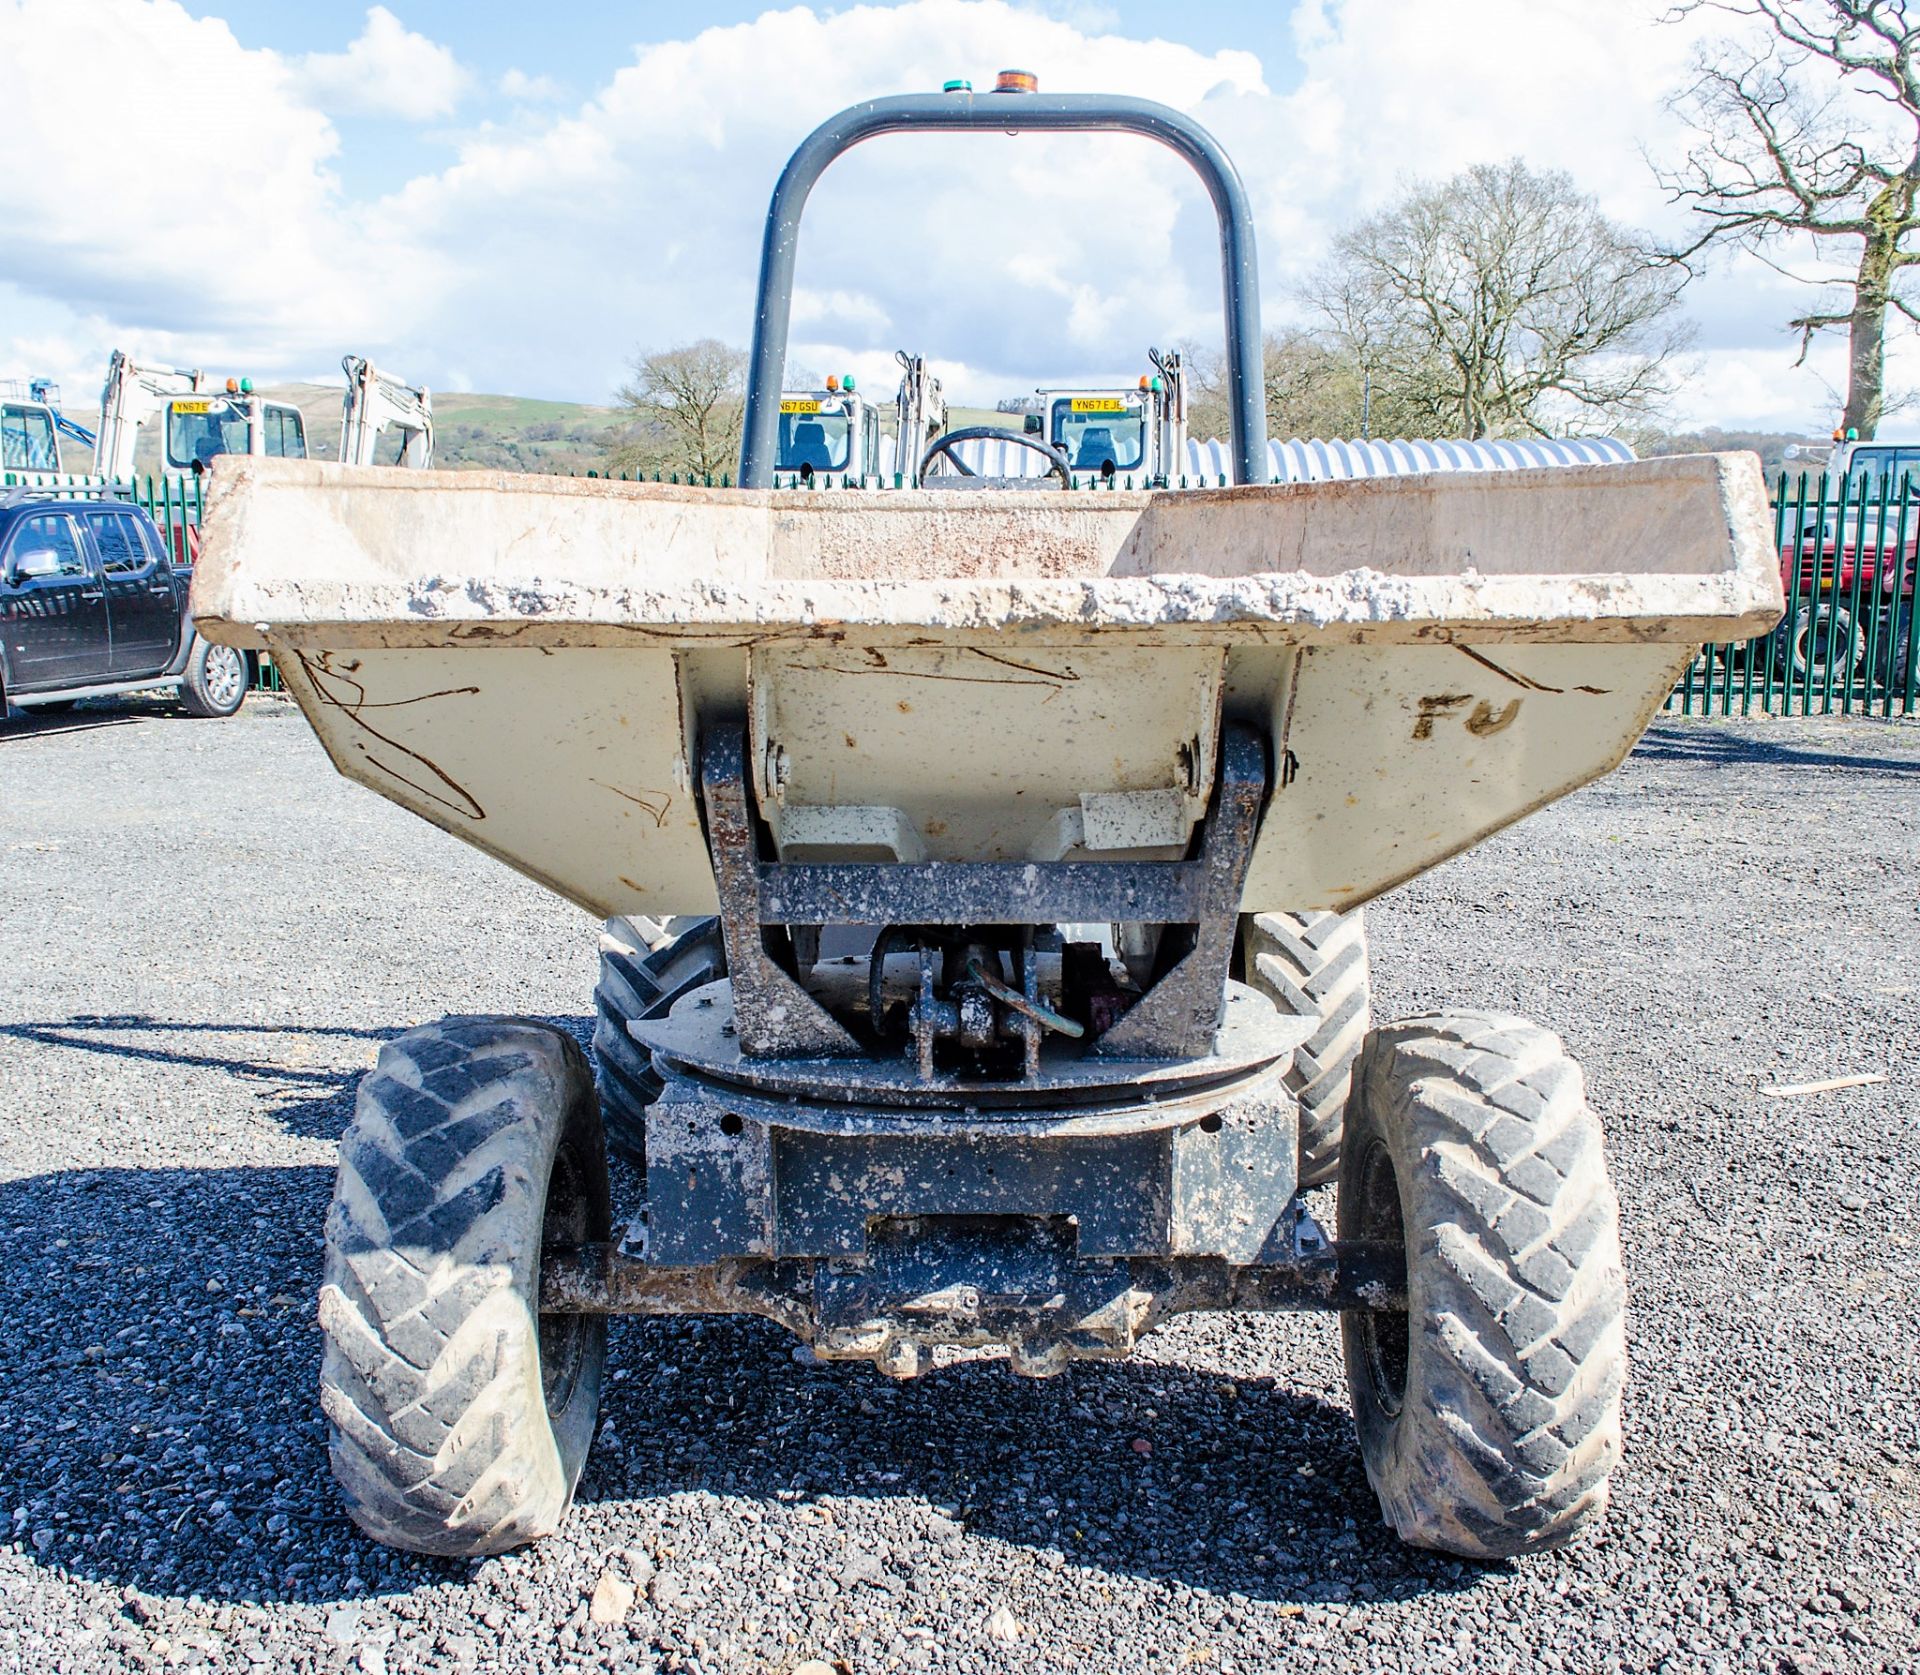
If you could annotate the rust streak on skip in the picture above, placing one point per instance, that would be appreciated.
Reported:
(1030, 668)
(1053, 681)
(654, 803)
(1506, 674)
(319, 670)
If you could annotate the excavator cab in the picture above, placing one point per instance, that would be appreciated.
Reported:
(27, 438)
(1104, 433)
(201, 428)
(830, 432)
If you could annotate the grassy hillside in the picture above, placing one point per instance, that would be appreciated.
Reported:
(503, 432)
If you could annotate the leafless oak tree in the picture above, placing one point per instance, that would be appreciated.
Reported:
(688, 404)
(1502, 302)
(1315, 386)
(1812, 128)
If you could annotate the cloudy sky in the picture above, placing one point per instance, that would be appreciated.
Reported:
(514, 198)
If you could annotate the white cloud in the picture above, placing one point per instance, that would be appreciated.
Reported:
(554, 244)
(843, 308)
(525, 89)
(388, 70)
(203, 223)
(650, 198)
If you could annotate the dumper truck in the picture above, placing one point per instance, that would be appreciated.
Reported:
(977, 799)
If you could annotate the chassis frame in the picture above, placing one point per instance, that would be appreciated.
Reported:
(886, 1211)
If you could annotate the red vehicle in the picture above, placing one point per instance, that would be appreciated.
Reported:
(1849, 570)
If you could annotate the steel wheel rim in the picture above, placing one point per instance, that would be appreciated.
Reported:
(1385, 1337)
(1829, 639)
(223, 675)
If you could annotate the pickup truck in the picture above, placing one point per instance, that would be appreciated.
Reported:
(93, 601)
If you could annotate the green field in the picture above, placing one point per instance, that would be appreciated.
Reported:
(501, 432)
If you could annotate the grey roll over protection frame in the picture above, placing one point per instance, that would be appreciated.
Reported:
(1009, 113)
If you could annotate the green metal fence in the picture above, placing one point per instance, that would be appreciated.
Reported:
(1847, 549)
(175, 503)
(1847, 643)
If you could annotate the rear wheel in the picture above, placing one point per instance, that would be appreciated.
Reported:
(460, 1416)
(1489, 1412)
(1895, 648)
(1818, 641)
(215, 682)
(1315, 965)
(644, 968)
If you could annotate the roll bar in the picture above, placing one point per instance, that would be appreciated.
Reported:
(1008, 112)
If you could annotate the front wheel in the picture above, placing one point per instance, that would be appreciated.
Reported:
(460, 1416)
(215, 682)
(1489, 1412)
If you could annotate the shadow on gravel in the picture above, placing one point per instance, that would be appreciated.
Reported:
(1243, 1485)
(319, 1114)
(160, 1433)
(31, 724)
(1707, 745)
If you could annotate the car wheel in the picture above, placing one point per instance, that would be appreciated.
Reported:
(215, 683)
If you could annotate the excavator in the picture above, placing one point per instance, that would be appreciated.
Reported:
(376, 401)
(919, 412)
(1090, 436)
(202, 420)
(1135, 434)
(31, 425)
(833, 435)
(828, 435)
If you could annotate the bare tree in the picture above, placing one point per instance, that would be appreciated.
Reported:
(1315, 386)
(1502, 302)
(1814, 129)
(687, 405)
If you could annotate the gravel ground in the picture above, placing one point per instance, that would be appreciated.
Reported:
(207, 933)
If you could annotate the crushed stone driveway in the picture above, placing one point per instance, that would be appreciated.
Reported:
(206, 934)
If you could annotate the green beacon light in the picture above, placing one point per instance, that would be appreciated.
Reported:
(246, 386)
(846, 382)
(956, 86)
(1155, 386)
(1852, 434)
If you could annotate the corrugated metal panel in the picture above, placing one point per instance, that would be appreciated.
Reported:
(1329, 461)
(1317, 461)
(1325, 461)
(1001, 459)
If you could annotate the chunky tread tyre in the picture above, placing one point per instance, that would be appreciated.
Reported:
(644, 968)
(459, 1418)
(1895, 643)
(1315, 965)
(1469, 1133)
(1817, 641)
